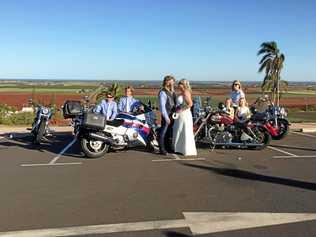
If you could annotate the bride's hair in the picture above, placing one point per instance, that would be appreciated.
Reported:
(186, 84)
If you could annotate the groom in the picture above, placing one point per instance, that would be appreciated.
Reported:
(167, 103)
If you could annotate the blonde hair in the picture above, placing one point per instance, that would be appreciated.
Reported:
(246, 103)
(186, 84)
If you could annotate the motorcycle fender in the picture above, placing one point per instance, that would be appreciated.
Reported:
(270, 129)
(285, 121)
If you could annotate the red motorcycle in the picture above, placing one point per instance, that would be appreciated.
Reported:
(216, 128)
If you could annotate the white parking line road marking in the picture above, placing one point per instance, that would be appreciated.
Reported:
(284, 152)
(198, 222)
(179, 159)
(53, 161)
(53, 164)
(278, 157)
(304, 134)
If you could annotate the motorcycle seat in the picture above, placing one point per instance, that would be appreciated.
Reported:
(260, 116)
(115, 122)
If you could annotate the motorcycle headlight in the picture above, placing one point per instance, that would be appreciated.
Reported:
(283, 112)
(45, 110)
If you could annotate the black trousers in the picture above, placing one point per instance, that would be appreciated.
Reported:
(165, 135)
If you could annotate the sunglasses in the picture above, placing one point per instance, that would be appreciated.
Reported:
(236, 85)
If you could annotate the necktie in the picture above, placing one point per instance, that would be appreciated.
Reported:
(108, 111)
(127, 104)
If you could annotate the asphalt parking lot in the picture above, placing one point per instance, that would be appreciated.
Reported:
(52, 190)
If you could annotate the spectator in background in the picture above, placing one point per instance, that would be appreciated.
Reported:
(127, 103)
(107, 107)
(237, 93)
(229, 108)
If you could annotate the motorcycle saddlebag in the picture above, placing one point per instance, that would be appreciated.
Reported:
(72, 108)
(93, 120)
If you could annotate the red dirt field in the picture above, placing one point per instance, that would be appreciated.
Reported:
(19, 100)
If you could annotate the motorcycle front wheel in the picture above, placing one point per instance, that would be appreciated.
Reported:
(283, 127)
(40, 132)
(92, 148)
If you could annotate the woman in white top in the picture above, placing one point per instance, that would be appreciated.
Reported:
(243, 112)
(183, 138)
(237, 93)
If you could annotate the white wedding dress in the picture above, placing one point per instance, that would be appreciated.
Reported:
(183, 138)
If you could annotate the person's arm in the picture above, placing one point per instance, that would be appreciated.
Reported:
(242, 95)
(162, 106)
(134, 104)
(248, 115)
(114, 111)
(188, 99)
(98, 108)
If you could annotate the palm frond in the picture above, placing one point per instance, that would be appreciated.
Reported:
(264, 65)
(267, 56)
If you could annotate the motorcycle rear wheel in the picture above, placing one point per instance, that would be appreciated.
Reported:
(264, 138)
(92, 148)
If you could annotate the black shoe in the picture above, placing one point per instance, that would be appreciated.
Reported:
(164, 153)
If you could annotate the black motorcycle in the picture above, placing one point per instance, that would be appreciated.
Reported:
(40, 127)
(277, 118)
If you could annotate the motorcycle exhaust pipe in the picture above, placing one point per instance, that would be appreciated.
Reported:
(107, 140)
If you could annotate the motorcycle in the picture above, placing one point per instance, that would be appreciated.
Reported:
(274, 119)
(40, 126)
(97, 136)
(217, 129)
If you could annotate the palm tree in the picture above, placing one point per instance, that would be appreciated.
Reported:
(272, 63)
(116, 90)
(100, 92)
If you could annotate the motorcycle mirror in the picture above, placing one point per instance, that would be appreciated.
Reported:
(149, 104)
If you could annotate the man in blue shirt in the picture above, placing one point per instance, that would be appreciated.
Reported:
(127, 103)
(107, 107)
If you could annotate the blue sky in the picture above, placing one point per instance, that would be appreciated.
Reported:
(146, 39)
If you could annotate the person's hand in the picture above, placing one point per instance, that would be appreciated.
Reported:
(168, 121)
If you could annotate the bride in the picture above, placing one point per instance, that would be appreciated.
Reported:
(183, 137)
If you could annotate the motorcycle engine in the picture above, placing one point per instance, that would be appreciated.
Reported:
(224, 137)
(119, 139)
(219, 135)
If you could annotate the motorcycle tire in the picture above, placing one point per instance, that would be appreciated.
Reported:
(40, 132)
(266, 139)
(284, 125)
(97, 151)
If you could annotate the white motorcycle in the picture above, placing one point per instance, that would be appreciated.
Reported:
(97, 135)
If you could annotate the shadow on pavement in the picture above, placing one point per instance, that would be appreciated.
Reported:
(242, 174)
(54, 145)
(175, 234)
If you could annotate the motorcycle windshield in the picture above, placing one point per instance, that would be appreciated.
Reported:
(149, 117)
